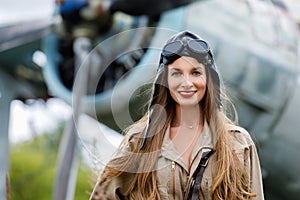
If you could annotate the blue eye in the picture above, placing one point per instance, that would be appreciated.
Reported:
(175, 74)
(197, 73)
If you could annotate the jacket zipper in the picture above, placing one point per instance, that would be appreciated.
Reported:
(173, 178)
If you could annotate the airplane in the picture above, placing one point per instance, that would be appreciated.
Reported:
(255, 46)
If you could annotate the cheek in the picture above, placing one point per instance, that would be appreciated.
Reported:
(172, 89)
(201, 82)
(173, 83)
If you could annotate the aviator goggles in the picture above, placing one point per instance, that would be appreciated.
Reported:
(196, 48)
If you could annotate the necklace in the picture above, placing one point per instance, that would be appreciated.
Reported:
(186, 126)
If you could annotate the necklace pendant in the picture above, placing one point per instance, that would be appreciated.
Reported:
(190, 127)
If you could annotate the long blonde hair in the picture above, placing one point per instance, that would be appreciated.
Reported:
(230, 180)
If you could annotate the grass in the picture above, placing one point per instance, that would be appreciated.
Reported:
(33, 169)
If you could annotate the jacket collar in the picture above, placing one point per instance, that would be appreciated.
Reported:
(204, 142)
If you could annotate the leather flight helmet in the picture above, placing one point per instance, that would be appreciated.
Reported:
(186, 43)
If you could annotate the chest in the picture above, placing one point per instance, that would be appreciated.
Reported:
(184, 142)
(174, 181)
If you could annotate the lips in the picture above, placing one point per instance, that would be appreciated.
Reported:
(187, 94)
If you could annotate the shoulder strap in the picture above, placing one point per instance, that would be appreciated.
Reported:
(198, 174)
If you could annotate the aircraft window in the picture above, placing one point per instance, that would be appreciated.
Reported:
(266, 84)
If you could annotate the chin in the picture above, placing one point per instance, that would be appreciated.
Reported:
(188, 104)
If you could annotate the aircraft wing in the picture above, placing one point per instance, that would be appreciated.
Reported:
(23, 22)
(13, 35)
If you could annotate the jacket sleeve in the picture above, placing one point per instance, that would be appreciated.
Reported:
(113, 189)
(104, 194)
(247, 153)
(110, 190)
(255, 173)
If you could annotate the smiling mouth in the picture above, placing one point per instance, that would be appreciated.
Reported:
(187, 94)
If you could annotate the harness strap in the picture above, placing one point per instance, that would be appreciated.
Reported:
(198, 174)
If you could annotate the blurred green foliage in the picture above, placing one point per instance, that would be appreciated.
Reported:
(33, 169)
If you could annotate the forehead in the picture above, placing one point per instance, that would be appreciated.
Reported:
(186, 62)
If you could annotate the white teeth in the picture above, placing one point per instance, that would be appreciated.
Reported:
(187, 92)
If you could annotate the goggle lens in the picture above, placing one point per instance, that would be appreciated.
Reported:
(198, 46)
(172, 48)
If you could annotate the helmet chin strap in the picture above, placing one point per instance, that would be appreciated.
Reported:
(146, 131)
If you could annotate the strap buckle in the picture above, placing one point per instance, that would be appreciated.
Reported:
(205, 158)
(204, 162)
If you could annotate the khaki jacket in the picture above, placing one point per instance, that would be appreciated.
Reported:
(173, 175)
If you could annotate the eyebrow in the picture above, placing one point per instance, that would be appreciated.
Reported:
(194, 68)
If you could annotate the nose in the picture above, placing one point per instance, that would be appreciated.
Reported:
(187, 81)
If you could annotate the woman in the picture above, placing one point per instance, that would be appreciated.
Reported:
(185, 120)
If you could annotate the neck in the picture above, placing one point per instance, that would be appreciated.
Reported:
(188, 116)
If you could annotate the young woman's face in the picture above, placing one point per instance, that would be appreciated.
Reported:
(187, 81)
